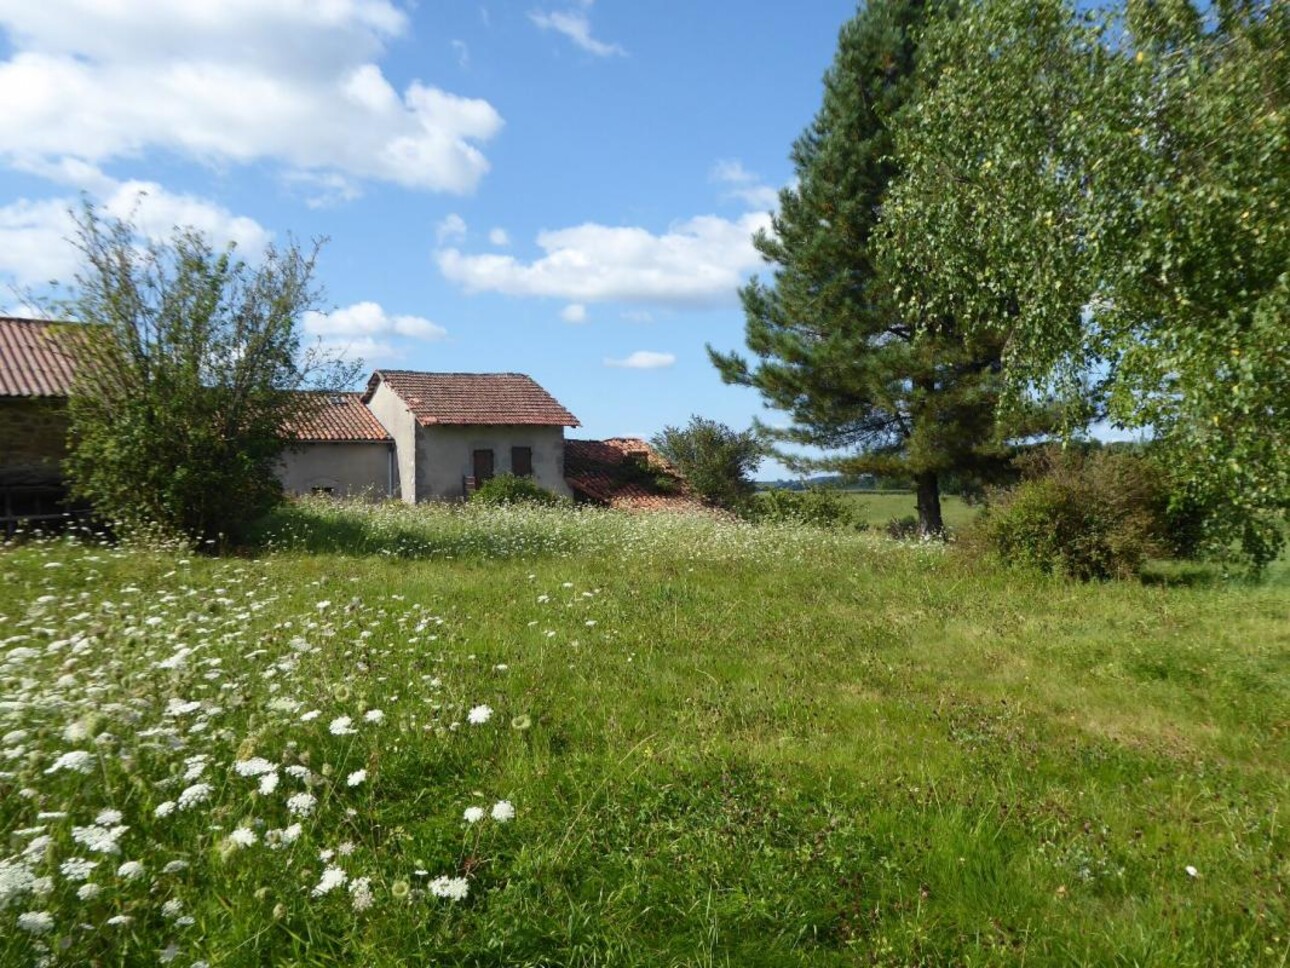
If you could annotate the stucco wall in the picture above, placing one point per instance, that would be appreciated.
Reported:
(445, 455)
(350, 470)
(33, 441)
(388, 407)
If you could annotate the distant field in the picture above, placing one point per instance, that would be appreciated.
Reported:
(503, 737)
(879, 507)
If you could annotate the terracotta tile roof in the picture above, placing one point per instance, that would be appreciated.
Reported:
(474, 398)
(338, 418)
(626, 473)
(34, 361)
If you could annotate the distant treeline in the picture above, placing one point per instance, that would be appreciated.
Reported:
(950, 483)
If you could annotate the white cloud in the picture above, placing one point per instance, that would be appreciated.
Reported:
(575, 23)
(463, 54)
(699, 262)
(451, 228)
(574, 313)
(369, 320)
(370, 351)
(743, 185)
(35, 236)
(499, 237)
(237, 81)
(643, 360)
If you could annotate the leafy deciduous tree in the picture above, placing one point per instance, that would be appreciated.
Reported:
(1114, 193)
(714, 459)
(189, 367)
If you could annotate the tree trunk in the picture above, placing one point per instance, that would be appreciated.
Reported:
(929, 505)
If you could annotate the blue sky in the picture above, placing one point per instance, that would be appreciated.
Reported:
(564, 188)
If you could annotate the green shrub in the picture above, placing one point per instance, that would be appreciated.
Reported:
(1088, 516)
(816, 506)
(509, 489)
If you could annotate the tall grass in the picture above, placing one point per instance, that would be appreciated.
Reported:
(581, 738)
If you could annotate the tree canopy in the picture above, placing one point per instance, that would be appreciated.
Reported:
(190, 363)
(885, 388)
(1108, 195)
(715, 460)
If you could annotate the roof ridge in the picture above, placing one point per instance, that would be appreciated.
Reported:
(454, 373)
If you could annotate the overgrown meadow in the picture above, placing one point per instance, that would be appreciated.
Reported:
(472, 736)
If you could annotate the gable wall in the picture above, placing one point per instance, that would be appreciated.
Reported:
(349, 469)
(445, 455)
(388, 407)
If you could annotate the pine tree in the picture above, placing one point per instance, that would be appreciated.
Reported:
(898, 396)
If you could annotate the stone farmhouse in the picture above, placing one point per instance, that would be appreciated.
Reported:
(409, 435)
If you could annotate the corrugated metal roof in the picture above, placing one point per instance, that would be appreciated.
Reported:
(34, 358)
(338, 418)
(474, 398)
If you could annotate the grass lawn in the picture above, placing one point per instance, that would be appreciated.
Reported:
(878, 507)
(722, 745)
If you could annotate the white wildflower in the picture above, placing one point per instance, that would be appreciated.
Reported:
(193, 795)
(164, 809)
(268, 783)
(332, 878)
(119, 919)
(473, 814)
(172, 908)
(78, 761)
(88, 892)
(175, 867)
(374, 716)
(243, 837)
(36, 922)
(311, 715)
(77, 868)
(15, 879)
(453, 888)
(355, 778)
(360, 892)
(130, 870)
(107, 818)
(196, 766)
(101, 840)
(301, 804)
(1191, 871)
(255, 766)
(340, 726)
(479, 715)
(503, 810)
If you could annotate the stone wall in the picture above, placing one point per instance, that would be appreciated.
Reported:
(33, 441)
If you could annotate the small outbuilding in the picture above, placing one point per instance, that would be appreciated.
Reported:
(339, 448)
(454, 431)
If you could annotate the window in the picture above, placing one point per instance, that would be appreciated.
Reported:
(483, 466)
(322, 490)
(522, 461)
